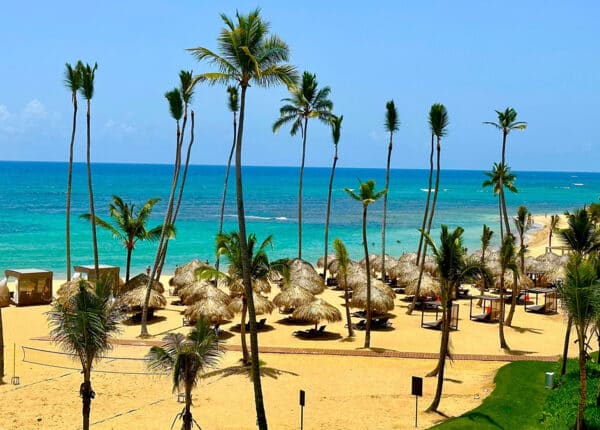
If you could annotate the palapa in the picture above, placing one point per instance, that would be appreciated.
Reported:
(330, 258)
(140, 280)
(292, 297)
(303, 274)
(355, 277)
(185, 274)
(382, 297)
(316, 311)
(133, 300)
(429, 286)
(376, 263)
(262, 305)
(211, 308)
(70, 288)
(201, 290)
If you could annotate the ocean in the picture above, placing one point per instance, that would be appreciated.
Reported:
(32, 213)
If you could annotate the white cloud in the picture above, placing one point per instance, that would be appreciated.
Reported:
(119, 128)
(35, 108)
(4, 114)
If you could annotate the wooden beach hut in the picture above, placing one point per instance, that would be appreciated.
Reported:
(33, 286)
(549, 304)
(110, 273)
(491, 306)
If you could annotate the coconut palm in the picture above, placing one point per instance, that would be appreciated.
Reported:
(129, 226)
(486, 238)
(392, 123)
(581, 299)
(83, 325)
(187, 357)
(336, 127)
(249, 55)
(438, 122)
(506, 123)
(523, 222)
(306, 101)
(501, 177)
(507, 260)
(343, 261)
(88, 74)
(366, 196)
(234, 106)
(552, 228)
(73, 83)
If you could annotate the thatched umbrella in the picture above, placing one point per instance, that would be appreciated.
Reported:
(317, 310)
(201, 290)
(140, 280)
(70, 288)
(429, 286)
(293, 297)
(133, 300)
(382, 298)
(376, 263)
(410, 257)
(330, 259)
(184, 275)
(404, 271)
(262, 305)
(211, 308)
(303, 274)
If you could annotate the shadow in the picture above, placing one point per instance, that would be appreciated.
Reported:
(455, 381)
(291, 321)
(224, 335)
(441, 414)
(266, 328)
(241, 370)
(479, 417)
(379, 350)
(177, 303)
(326, 335)
(520, 352)
(527, 330)
(349, 339)
(137, 319)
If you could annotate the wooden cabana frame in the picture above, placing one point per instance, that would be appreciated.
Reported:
(492, 308)
(538, 279)
(550, 304)
(436, 324)
(111, 273)
(33, 286)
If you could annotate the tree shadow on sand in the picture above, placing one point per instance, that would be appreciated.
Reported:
(527, 330)
(241, 370)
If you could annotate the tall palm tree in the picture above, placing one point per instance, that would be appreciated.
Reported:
(343, 261)
(438, 123)
(187, 357)
(486, 238)
(88, 74)
(582, 238)
(336, 128)
(581, 299)
(129, 226)
(249, 55)
(523, 223)
(366, 196)
(83, 325)
(306, 101)
(552, 228)
(501, 177)
(73, 83)
(507, 260)
(234, 106)
(392, 123)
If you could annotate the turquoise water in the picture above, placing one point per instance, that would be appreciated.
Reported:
(32, 215)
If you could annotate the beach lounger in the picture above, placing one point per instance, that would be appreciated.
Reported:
(484, 317)
(259, 324)
(435, 325)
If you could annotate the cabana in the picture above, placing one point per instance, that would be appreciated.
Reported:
(33, 286)
(436, 324)
(550, 301)
(492, 309)
(110, 273)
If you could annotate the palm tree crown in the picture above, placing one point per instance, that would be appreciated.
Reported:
(507, 121)
(580, 235)
(392, 123)
(87, 80)
(233, 103)
(438, 119)
(500, 175)
(366, 194)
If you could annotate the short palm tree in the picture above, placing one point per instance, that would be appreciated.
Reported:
(88, 74)
(306, 102)
(249, 55)
(552, 228)
(129, 226)
(233, 104)
(581, 299)
(336, 128)
(486, 238)
(501, 177)
(187, 357)
(73, 84)
(343, 262)
(83, 325)
(366, 196)
(392, 123)
(508, 261)
(523, 222)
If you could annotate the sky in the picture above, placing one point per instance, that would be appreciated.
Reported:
(539, 57)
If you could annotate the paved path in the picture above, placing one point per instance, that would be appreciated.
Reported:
(374, 352)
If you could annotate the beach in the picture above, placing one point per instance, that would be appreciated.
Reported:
(344, 383)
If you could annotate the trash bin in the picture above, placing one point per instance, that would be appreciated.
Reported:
(549, 380)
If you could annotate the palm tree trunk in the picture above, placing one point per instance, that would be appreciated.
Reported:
(127, 267)
(304, 132)
(503, 343)
(385, 197)
(500, 218)
(261, 417)
(368, 267)
(225, 183)
(85, 391)
(69, 186)
(513, 300)
(504, 134)
(335, 158)
(563, 368)
(1, 350)
(426, 212)
(582, 379)
(346, 304)
(90, 190)
(187, 414)
(445, 341)
(245, 357)
(504, 213)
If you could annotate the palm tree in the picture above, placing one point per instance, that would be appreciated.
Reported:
(552, 228)
(486, 238)
(523, 223)
(336, 127)
(581, 299)
(507, 260)
(234, 106)
(73, 83)
(499, 178)
(83, 325)
(129, 226)
(438, 122)
(306, 102)
(248, 56)
(366, 196)
(343, 261)
(87, 91)
(187, 357)
(392, 123)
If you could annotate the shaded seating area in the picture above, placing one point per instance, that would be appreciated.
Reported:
(491, 306)
(423, 302)
(376, 324)
(310, 333)
(436, 323)
(33, 286)
(549, 304)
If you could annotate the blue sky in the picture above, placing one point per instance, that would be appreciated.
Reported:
(540, 57)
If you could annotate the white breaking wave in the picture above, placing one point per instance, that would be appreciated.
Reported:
(425, 190)
(578, 184)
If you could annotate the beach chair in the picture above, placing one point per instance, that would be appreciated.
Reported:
(322, 329)
(361, 325)
(380, 323)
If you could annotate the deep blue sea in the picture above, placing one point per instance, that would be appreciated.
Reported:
(33, 196)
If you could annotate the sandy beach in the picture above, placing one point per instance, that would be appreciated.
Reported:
(342, 388)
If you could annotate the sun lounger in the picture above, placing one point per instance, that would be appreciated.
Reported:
(259, 324)
(435, 325)
(484, 317)
(540, 309)
(310, 333)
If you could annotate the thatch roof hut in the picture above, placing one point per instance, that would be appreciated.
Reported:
(382, 298)
(70, 288)
(376, 263)
(330, 259)
(316, 311)
(140, 280)
(262, 304)
(201, 290)
(211, 308)
(292, 297)
(356, 276)
(133, 300)
(184, 275)
(429, 286)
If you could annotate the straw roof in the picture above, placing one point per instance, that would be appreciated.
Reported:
(330, 259)
(303, 274)
(133, 300)
(212, 309)
(262, 304)
(317, 310)
(184, 275)
(429, 286)
(293, 297)
(258, 285)
(201, 290)
(71, 288)
(382, 297)
(377, 262)
(140, 280)
(356, 275)
(372, 258)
